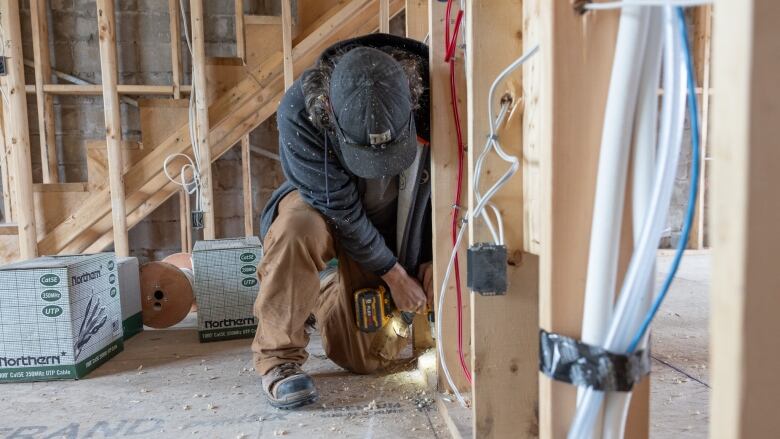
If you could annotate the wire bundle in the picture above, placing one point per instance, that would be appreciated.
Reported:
(193, 183)
(627, 328)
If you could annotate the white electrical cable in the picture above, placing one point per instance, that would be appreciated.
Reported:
(193, 185)
(642, 261)
(645, 140)
(482, 202)
(606, 225)
(623, 4)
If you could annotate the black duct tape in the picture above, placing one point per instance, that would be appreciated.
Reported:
(572, 361)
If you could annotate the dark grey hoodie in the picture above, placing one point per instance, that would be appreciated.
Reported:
(329, 187)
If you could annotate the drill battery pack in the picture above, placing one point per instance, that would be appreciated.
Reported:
(372, 308)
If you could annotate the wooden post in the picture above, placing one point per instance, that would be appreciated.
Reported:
(202, 116)
(17, 130)
(417, 28)
(575, 62)
(702, 57)
(745, 215)
(111, 110)
(176, 68)
(240, 34)
(246, 171)
(5, 171)
(185, 223)
(45, 103)
(504, 329)
(416, 19)
(289, 74)
(384, 16)
(444, 162)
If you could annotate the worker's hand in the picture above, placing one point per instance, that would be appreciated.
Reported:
(407, 292)
(425, 275)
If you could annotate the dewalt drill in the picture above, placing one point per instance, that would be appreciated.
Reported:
(374, 309)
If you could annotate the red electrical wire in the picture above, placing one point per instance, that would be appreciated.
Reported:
(449, 45)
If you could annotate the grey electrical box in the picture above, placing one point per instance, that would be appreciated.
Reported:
(486, 269)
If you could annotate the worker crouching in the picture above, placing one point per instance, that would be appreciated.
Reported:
(352, 133)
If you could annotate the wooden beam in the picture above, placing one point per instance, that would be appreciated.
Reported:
(417, 28)
(745, 215)
(175, 30)
(262, 19)
(384, 16)
(702, 48)
(240, 35)
(45, 103)
(17, 130)
(61, 187)
(444, 174)
(97, 89)
(5, 171)
(8, 229)
(111, 110)
(575, 63)
(416, 19)
(202, 116)
(505, 377)
(289, 74)
(246, 172)
(185, 222)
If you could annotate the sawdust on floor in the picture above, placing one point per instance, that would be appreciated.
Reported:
(167, 384)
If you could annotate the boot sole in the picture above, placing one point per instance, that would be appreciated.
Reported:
(293, 404)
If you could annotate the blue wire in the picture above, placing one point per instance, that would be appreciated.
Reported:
(688, 220)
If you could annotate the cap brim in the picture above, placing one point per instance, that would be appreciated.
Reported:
(384, 161)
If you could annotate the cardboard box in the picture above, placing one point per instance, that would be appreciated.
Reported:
(130, 294)
(60, 317)
(226, 285)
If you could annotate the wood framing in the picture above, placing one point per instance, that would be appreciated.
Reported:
(444, 174)
(417, 19)
(417, 28)
(185, 223)
(111, 109)
(235, 113)
(84, 88)
(175, 30)
(745, 216)
(246, 174)
(202, 117)
(5, 171)
(505, 367)
(17, 138)
(289, 74)
(384, 16)
(702, 51)
(240, 34)
(45, 103)
(575, 63)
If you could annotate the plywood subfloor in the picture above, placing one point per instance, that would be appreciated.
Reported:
(166, 384)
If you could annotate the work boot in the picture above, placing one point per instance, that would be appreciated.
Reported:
(287, 387)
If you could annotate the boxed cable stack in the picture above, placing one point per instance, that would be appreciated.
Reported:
(226, 285)
(60, 317)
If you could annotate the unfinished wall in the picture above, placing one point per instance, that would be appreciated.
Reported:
(143, 53)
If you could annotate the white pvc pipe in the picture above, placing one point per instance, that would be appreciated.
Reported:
(645, 140)
(611, 179)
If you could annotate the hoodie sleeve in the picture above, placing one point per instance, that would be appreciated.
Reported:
(334, 193)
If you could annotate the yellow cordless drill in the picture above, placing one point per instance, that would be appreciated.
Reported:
(374, 309)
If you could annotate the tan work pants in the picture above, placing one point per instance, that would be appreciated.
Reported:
(296, 248)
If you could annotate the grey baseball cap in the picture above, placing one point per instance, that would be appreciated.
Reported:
(372, 106)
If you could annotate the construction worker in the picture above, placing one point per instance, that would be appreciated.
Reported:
(352, 142)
